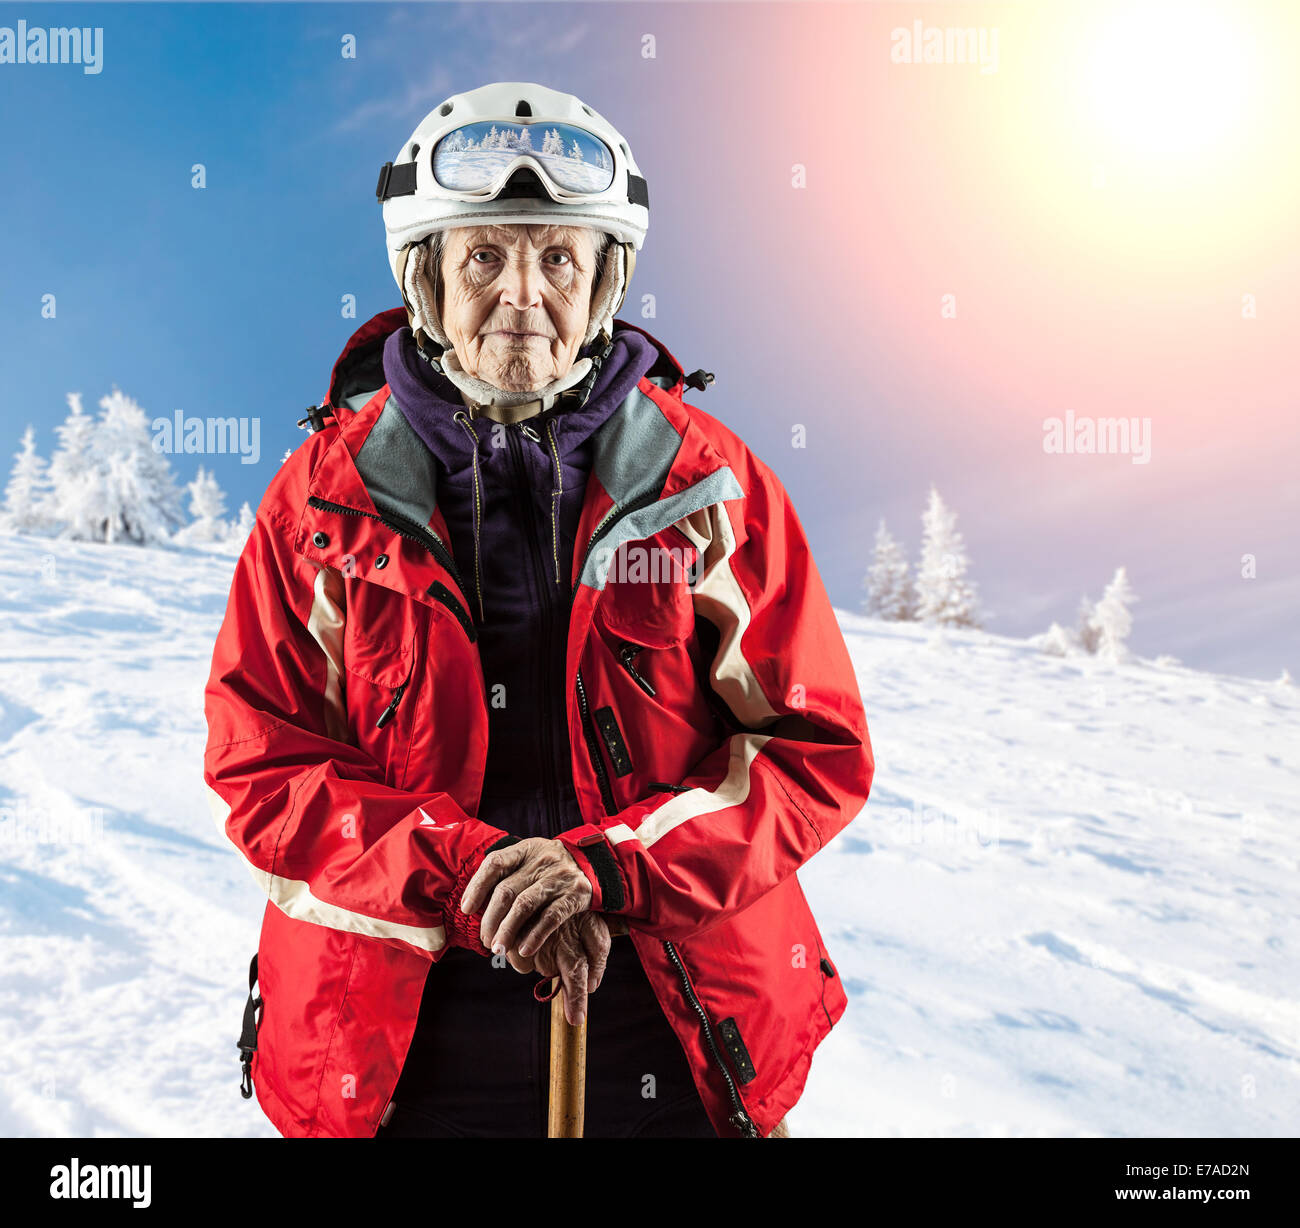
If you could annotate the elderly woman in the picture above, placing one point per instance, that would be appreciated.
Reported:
(463, 724)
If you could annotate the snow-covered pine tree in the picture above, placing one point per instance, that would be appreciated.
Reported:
(1112, 618)
(1056, 641)
(242, 526)
(76, 474)
(890, 593)
(140, 500)
(207, 507)
(553, 144)
(27, 493)
(524, 141)
(1085, 629)
(943, 594)
(576, 152)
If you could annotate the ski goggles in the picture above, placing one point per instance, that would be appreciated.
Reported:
(476, 160)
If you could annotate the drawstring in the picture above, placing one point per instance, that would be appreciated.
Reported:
(460, 416)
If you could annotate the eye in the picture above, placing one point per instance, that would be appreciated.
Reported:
(482, 251)
(566, 256)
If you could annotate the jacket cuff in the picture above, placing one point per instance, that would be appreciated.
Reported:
(462, 928)
(597, 861)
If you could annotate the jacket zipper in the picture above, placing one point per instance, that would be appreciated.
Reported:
(625, 655)
(403, 526)
(388, 713)
(740, 1119)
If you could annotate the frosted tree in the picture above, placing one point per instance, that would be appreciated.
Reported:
(139, 501)
(207, 507)
(553, 144)
(1056, 641)
(242, 526)
(76, 474)
(27, 494)
(890, 593)
(524, 141)
(1112, 618)
(493, 139)
(1086, 630)
(576, 152)
(943, 594)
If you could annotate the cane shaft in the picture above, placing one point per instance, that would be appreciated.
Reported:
(568, 1073)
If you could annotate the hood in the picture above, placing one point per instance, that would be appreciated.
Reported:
(655, 461)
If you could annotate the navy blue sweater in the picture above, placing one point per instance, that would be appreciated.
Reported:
(478, 1065)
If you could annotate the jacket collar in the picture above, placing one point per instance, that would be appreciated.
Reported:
(651, 462)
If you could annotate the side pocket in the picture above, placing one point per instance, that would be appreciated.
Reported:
(248, 1034)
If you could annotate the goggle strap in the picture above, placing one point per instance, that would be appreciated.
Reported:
(396, 180)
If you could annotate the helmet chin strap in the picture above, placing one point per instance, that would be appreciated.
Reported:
(420, 297)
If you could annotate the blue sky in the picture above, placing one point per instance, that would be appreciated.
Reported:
(226, 301)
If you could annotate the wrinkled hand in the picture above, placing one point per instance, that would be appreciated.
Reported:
(531, 889)
(577, 953)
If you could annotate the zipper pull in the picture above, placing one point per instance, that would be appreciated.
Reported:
(625, 655)
(388, 713)
(525, 429)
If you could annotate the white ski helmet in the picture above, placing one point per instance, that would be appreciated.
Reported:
(473, 159)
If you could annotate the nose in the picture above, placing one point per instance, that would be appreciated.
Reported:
(521, 284)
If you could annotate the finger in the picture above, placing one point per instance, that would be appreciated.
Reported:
(519, 894)
(528, 901)
(544, 961)
(520, 963)
(573, 975)
(547, 922)
(492, 868)
(596, 942)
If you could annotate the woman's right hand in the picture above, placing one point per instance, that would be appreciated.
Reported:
(577, 952)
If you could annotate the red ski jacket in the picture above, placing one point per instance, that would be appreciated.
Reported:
(347, 737)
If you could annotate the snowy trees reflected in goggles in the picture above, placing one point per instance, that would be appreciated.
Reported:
(476, 160)
(479, 157)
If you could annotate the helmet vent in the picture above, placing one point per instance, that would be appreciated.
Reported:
(445, 109)
(522, 107)
(415, 151)
(586, 108)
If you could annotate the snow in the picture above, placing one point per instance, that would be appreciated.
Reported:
(1069, 907)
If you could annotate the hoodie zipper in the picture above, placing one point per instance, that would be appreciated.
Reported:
(403, 526)
(740, 1119)
(524, 496)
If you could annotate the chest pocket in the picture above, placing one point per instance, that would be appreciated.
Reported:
(381, 634)
(647, 598)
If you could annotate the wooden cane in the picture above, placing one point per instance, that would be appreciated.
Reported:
(568, 1073)
(568, 1092)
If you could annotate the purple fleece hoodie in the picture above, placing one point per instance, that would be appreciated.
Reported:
(479, 1062)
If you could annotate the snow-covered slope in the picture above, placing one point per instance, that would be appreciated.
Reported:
(1068, 908)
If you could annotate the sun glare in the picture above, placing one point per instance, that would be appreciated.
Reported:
(1168, 78)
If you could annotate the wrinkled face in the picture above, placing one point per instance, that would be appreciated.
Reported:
(515, 300)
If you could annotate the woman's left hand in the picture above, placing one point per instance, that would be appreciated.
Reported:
(531, 889)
